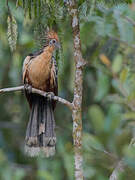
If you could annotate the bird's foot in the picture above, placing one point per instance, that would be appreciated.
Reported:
(28, 88)
(50, 95)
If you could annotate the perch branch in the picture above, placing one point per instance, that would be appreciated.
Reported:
(37, 91)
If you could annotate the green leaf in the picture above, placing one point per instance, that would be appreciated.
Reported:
(97, 117)
(45, 175)
(126, 29)
(91, 141)
(103, 85)
(19, 174)
(115, 98)
(123, 75)
(113, 118)
(131, 96)
(129, 151)
(129, 115)
(117, 64)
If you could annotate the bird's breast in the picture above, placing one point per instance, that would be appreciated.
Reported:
(39, 73)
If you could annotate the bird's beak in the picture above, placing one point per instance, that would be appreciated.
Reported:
(58, 45)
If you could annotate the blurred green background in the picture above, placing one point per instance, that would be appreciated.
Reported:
(108, 45)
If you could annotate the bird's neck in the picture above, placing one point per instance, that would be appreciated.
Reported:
(48, 49)
(47, 55)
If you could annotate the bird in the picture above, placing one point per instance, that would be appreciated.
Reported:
(40, 71)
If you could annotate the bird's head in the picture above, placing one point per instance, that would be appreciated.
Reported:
(53, 39)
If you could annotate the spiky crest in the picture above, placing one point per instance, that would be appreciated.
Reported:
(52, 35)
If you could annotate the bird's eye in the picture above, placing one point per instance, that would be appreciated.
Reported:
(54, 41)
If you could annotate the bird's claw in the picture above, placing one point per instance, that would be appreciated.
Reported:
(50, 95)
(28, 88)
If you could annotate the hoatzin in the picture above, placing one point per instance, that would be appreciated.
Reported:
(40, 71)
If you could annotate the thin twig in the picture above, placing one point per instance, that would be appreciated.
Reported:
(37, 91)
(118, 169)
(12, 89)
(129, 20)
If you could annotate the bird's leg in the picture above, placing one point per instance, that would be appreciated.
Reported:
(28, 88)
(50, 95)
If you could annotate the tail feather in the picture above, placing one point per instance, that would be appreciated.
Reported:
(40, 134)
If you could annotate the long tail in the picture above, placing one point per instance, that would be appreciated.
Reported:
(40, 134)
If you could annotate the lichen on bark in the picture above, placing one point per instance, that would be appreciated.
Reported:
(78, 87)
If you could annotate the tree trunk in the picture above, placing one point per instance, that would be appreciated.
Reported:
(78, 87)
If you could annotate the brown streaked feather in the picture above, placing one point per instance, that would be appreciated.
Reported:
(52, 35)
(25, 77)
(52, 76)
(54, 82)
(53, 79)
(41, 72)
(25, 65)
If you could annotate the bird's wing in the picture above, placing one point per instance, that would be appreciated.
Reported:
(54, 79)
(54, 75)
(27, 62)
(25, 66)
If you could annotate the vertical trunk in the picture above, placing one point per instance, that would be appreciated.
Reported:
(77, 102)
(77, 138)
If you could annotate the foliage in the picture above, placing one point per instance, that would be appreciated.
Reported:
(108, 36)
(12, 32)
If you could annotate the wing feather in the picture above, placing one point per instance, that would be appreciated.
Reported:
(54, 75)
(25, 66)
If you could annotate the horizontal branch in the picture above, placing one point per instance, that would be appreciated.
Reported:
(130, 20)
(37, 91)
